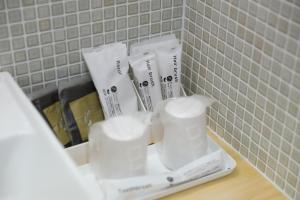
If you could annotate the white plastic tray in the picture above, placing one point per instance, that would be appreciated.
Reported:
(154, 166)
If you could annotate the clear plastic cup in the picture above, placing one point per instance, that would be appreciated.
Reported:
(118, 148)
(185, 133)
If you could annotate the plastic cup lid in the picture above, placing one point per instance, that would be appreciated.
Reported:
(185, 107)
(123, 128)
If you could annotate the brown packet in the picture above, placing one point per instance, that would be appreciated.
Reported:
(81, 107)
(47, 103)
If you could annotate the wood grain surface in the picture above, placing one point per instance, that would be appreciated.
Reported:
(244, 183)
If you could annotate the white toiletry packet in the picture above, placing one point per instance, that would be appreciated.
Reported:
(169, 60)
(108, 66)
(131, 188)
(154, 43)
(144, 67)
(168, 53)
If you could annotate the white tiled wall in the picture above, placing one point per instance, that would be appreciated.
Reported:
(40, 40)
(243, 53)
(246, 55)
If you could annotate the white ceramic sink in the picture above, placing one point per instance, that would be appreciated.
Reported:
(33, 165)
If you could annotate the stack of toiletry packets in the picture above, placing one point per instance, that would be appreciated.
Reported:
(73, 106)
(156, 67)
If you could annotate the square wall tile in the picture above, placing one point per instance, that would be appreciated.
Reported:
(247, 53)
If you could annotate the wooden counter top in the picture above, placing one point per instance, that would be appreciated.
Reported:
(242, 184)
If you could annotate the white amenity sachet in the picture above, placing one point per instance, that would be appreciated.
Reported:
(154, 43)
(168, 54)
(132, 188)
(144, 67)
(169, 60)
(108, 66)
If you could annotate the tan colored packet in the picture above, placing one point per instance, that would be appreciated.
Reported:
(86, 111)
(47, 103)
(81, 107)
